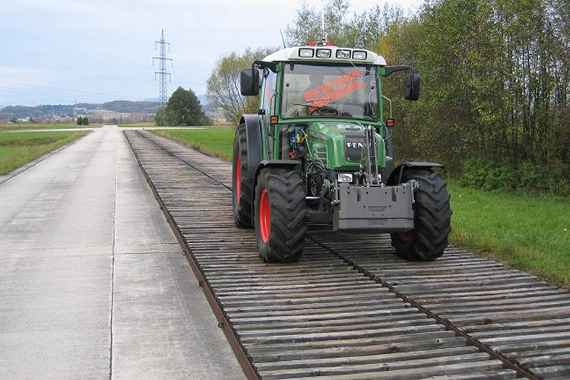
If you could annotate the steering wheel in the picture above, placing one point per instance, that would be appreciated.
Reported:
(325, 110)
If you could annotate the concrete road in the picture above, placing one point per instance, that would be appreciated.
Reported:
(93, 282)
(75, 129)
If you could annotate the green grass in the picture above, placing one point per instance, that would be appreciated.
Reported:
(527, 232)
(138, 125)
(28, 126)
(214, 141)
(17, 149)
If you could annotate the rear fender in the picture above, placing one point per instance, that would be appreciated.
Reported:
(252, 125)
(398, 172)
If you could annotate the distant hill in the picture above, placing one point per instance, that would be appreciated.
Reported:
(62, 110)
(17, 112)
(128, 106)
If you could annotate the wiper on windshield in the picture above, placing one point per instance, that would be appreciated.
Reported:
(310, 105)
(318, 108)
(334, 110)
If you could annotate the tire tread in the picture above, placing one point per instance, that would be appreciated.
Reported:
(432, 214)
(242, 208)
(287, 197)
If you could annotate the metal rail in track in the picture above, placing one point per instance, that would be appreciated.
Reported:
(351, 309)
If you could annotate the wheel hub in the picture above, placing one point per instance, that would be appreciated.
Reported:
(264, 216)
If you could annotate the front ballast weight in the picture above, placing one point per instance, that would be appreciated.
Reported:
(377, 208)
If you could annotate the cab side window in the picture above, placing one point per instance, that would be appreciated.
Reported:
(268, 94)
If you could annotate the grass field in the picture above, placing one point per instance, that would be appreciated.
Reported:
(17, 149)
(28, 126)
(138, 125)
(215, 141)
(526, 232)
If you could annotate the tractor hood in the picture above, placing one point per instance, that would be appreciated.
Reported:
(341, 144)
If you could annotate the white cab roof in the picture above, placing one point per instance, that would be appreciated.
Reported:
(293, 54)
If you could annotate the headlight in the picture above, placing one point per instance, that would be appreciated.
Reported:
(343, 53)
(359, 54)
(323, 53)
(306, 53)
(344, 177)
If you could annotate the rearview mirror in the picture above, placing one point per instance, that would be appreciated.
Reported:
(249, 82)
(413, 86)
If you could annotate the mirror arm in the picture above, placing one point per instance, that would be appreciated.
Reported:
(396, 68)
(263, 64)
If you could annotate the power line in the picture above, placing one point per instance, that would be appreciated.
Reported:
(163, 75)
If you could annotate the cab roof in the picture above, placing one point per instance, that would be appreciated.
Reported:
(328, 54)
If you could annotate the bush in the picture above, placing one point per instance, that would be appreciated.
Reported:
(528, 177)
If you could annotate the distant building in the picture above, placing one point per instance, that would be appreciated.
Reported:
(105, 116)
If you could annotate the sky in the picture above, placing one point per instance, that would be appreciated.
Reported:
(68, 51)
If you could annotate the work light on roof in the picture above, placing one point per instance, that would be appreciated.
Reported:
(306, 53)
(359, 54)
(343, 53)
(323, 53)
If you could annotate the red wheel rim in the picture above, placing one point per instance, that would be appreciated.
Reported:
(237, 184)
(264, 216)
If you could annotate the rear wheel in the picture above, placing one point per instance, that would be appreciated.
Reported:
(241, 187)
(432, 219)
(280, 215)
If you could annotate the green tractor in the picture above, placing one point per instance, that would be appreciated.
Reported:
(318, 155)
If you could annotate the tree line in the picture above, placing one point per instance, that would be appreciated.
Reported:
(495, 104)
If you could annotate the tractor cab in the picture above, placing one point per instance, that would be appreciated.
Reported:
(328, 82)
(331, 91)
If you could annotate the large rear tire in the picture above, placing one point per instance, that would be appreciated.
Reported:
(241, 188)
(280, 215)
(432, 219)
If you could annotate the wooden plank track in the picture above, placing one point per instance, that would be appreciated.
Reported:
(511, 312)
(351, 309)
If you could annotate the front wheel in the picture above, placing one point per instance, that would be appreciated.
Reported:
(432, 219)
(280, 215)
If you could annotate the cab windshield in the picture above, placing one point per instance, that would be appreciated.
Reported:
(329, 91)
